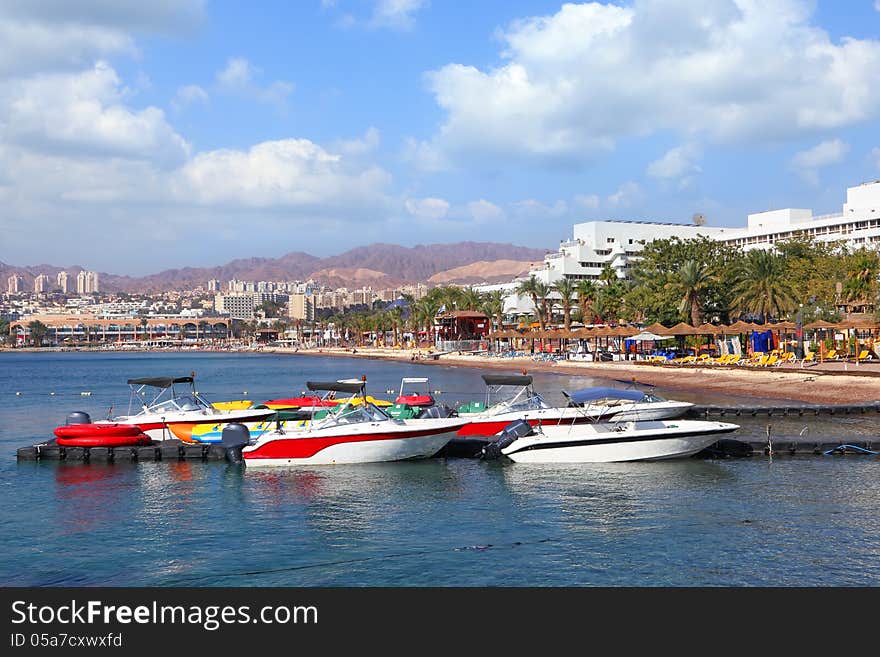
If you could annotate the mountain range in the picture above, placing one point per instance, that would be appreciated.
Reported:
(377, 265)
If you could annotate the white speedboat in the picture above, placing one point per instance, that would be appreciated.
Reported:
(167, 413)
(503, 406)
(626, 404)
(603, 442)
(355, 432)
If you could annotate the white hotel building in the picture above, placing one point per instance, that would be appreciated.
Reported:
(617, 244)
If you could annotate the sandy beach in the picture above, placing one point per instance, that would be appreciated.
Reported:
(827, 383)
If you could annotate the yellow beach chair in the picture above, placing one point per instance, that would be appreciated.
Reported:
(864, 355)
(809, 359)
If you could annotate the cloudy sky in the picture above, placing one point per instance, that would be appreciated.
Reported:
(138, 136)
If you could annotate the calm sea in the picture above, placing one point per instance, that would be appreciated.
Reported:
(786, 521)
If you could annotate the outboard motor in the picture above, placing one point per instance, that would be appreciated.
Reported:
(235, 436)
(513, 431)
(78, 417)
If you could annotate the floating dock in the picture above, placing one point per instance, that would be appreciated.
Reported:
(784, 411)
(167, 450)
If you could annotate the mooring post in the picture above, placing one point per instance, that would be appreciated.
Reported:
(769, 443)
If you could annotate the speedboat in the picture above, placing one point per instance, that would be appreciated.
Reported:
(605, 442)
(166, 413)
(627, 404)
(503, 407)
(351, 433)
(412, 403)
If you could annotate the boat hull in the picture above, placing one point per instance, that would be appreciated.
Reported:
(180, 425)
(488, 424)
(561, 445)
(381, 445)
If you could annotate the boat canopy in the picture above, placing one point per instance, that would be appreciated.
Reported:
(507, 380)
(160, 381)
(337, 386)
(594, 394)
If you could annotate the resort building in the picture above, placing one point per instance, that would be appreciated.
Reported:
(857, 225)
(617, 244)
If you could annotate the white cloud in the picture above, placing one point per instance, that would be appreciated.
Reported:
(58, 35)
(626, 195)
(877, 5)
(806, 163)
(676, 163)
(587, 201)
(427, 208)
(533, 209)
(360, 146)
(85, 114)
(240, 77)
(483, 211)
(396, 14)
(187, 95)
(284, 173)
(572, 84)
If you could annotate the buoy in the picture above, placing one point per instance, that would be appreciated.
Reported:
(18, 393)
(51, 393)
(85, 394)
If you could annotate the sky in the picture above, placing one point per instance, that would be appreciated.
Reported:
(137, 137)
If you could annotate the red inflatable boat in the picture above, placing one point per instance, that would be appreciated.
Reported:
(101, 435)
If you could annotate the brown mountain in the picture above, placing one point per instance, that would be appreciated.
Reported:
(496, 271)
(379, 265)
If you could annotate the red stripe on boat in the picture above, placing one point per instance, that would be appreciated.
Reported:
(293, 448)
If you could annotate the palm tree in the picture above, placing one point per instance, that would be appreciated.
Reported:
(38, 331)
(861, 278)
(529, 287)
(542, 292)
(761, 287)
(395, 315)
(493, 306)
(608, 275)
(426, 310)
(586, 291)
(469, 299)
(693, 280)
(566, 289)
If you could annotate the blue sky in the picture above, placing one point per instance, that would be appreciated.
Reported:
(136, 137)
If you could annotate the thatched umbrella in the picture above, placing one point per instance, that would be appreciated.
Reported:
(739, 326)
(656, 328)
(681, 329)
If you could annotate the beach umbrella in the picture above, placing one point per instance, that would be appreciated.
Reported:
(820, 324)
(656, 328)
(647, 336)
(681, 329)
(739, 326)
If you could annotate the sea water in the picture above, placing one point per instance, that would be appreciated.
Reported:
(783, 521)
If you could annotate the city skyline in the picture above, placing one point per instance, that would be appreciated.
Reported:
(191, 133)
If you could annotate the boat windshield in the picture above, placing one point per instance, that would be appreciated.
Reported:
(355, 414)
(177, 404)
(525, 403)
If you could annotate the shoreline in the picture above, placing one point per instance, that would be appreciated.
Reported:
(829, 383)
(800, 385)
